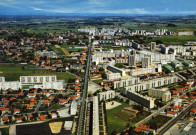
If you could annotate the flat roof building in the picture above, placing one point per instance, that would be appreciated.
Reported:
(68, 125)
(168, 68)
(116, 70)
(95, 126)
(73, 108)
(147, 102)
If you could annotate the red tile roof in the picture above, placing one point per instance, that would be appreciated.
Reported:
(170, 112)
(30, 116)
(45, 102)
(175, 92)
(42, 117)
(63, 100)
(18, 119)
(5, 118)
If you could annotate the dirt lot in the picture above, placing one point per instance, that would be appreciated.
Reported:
(41, 128)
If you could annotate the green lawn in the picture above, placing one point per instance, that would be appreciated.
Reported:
(54, 107)
(4, 131)
(115, 123)
(123, 115)
(117, 120)
(12, 72)
(97, 81)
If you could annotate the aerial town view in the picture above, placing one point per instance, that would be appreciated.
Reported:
(97, 67)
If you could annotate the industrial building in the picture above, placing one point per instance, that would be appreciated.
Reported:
(188, 64)
(168, 68)
(175, 64)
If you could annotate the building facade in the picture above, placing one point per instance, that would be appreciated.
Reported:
(147, 102)
(149, 84)
(37, 79)
(106, 95)
(132, 60)
(113, 76)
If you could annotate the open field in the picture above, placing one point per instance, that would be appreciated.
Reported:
(118, 120)
(123, 115)
(12, 72)
(54, 107)
(116, 123)
(41, 28)
(150, 26)
(65, 51)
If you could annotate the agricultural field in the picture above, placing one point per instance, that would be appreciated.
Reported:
(4, 131)
(65, 51)
(41, 28)
(12, 72)
(150, 26)
(56, 50)
(175, 40)
(157, 121)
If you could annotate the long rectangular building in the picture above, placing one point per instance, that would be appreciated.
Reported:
(38, 79)
(147, 102)
(141, 71)
(125, 82)
(95, 126)
(14, 85)
(149, 84)
(116, 70)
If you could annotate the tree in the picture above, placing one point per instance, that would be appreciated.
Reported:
(114, 133)
(128, 125)
(127, 101)
(23, 119)
(104, 76)
(49, 116)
